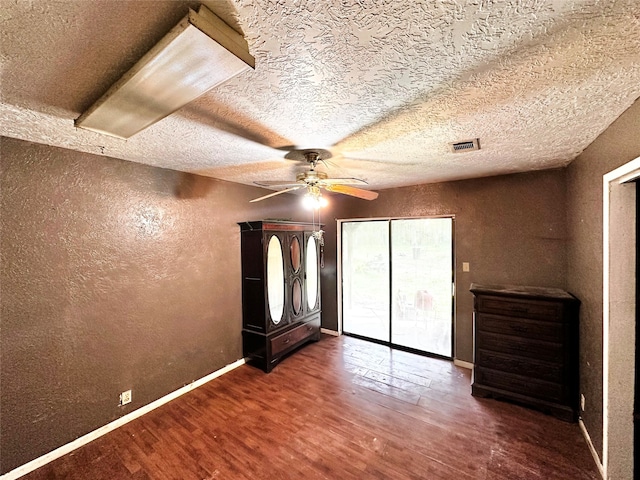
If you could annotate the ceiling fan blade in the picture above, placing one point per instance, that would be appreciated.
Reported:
(343, 181)
(221, 117)
(353, 191)
(276, 193)
(277, 183)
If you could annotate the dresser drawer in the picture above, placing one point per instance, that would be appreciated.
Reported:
(552, 372)
(540, 389)
(521, 308)
(520, 327)
(292, 337)
(524, 347)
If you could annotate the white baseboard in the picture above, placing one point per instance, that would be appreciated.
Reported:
(330, 332)
(79, 442)
(462, 363)
(592, 449)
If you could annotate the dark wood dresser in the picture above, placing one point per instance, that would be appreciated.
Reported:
(526, 347)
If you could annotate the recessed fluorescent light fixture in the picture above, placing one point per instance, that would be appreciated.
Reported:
(202, 51)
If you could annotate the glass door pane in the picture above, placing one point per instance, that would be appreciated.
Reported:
(365, 274)
(421, 282)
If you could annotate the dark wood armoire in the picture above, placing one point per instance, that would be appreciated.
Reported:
(280, 289)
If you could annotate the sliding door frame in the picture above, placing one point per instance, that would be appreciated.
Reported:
(453, 283)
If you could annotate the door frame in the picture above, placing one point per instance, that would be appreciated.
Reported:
(339, 223)
(618, 319)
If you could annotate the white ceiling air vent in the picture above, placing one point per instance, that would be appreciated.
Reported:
(466, 146)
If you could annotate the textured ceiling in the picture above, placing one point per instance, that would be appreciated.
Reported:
(384, 85)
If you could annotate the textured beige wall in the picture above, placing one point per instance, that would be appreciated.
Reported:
(511, 229)
(617, 145)
(114, 276)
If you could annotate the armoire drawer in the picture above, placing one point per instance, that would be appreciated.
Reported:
(292, 337)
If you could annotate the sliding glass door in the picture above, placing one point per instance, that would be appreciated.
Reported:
(397, 282)
(421, 284)
(365, 278)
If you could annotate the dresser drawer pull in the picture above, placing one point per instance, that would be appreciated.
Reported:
(519, 328)
(287, 340)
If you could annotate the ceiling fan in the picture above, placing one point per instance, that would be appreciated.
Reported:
(314, 180)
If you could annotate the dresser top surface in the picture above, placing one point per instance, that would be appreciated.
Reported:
(522, 291)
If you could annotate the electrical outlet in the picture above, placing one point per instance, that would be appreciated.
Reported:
(582, 402)
(125, 397)
(465, 266)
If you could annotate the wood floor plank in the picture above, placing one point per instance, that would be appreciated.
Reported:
(338, 409)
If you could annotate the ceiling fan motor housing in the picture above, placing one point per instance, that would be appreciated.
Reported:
(312, 177)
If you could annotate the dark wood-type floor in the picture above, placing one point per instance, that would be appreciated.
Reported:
(338, 409)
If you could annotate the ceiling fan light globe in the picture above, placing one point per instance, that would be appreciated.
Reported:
(309, 202)
(314, 202)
